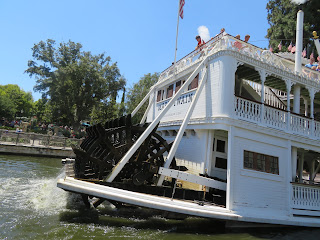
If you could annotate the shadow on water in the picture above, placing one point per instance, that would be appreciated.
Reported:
(148, 219)
(139, 218)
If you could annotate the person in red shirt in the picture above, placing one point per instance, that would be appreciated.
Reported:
(237, 44)
(200, 43)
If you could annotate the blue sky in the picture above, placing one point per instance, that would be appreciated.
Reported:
(137, 34)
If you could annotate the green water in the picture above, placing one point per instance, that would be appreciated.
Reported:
(32, 207)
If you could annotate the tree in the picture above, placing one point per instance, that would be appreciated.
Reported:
(282, 15)
(20, 102)
(7, 108)
(42, 110)
(138, 92)
(74, 81)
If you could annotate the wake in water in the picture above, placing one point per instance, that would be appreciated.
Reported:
(39, 194)
(44, 195)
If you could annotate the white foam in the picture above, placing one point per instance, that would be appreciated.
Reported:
(40, 194)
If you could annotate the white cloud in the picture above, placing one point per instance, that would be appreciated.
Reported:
(299, 1)
(203, 31)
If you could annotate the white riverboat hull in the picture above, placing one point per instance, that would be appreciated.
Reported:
(180, 206)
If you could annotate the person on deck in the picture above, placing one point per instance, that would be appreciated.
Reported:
(311, 63)
(200, 43)
(246, 38)
(237, 44)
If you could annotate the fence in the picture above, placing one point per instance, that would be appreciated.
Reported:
(33, 139)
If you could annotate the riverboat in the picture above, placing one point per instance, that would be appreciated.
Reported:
(231, 132)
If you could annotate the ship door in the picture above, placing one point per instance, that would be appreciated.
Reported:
(219, 157)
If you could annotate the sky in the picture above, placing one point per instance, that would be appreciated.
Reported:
(139, 35)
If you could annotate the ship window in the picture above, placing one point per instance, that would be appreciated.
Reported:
(221, 163)
(194, 83)
(221, 146)
(159, 96)
(178, 86)
(170, 91)
(261, 162)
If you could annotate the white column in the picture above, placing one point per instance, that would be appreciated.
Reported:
(230, 171)
(311, 95)
(296, 100)
(262, 73)
(299, 41)
(209, 151)
(305, 101)
(288, 85)
(312, 169)
(294, 156)
(301, 161)
(222, 79)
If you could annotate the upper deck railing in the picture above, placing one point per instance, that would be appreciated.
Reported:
(268, 116)
(227, 42)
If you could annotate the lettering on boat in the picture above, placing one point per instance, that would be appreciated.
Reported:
(187, 98)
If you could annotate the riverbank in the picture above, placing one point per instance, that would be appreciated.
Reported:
(30, 144)
(35, 150)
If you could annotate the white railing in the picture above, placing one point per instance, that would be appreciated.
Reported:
(305, 197)
(192, 58)
(33, 139)
(300, 125)
(276, 118)
(227, 42)
(317, 129)
(247, 110)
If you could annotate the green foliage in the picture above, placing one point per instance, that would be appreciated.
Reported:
(138, 92)
(282, 15)
(7, 128)
(74, 81)
(15, 102)
(42, 110)
(7, 108)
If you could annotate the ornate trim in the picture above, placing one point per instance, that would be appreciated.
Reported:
(270, 65)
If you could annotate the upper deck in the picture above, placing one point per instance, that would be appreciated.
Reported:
(244, 82)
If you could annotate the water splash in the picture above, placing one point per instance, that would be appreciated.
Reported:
(40, 194)
(45, 196)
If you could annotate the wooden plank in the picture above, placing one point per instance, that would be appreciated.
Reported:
(193, 178)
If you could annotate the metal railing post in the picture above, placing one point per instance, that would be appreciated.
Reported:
(33, 139)
(65, 143)
(17, 139)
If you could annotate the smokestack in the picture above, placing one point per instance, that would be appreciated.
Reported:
(299, 41)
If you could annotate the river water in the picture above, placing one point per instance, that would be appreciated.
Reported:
(32, 207)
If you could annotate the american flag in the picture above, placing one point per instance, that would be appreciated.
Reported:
(181, 4)
(293, 49)
(311, 55)
(304, 53)
(290, 47)
(280, 46)
(270, 49)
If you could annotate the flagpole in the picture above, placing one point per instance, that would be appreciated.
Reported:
(175, 53)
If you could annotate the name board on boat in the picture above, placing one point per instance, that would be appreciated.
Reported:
(180, 106)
